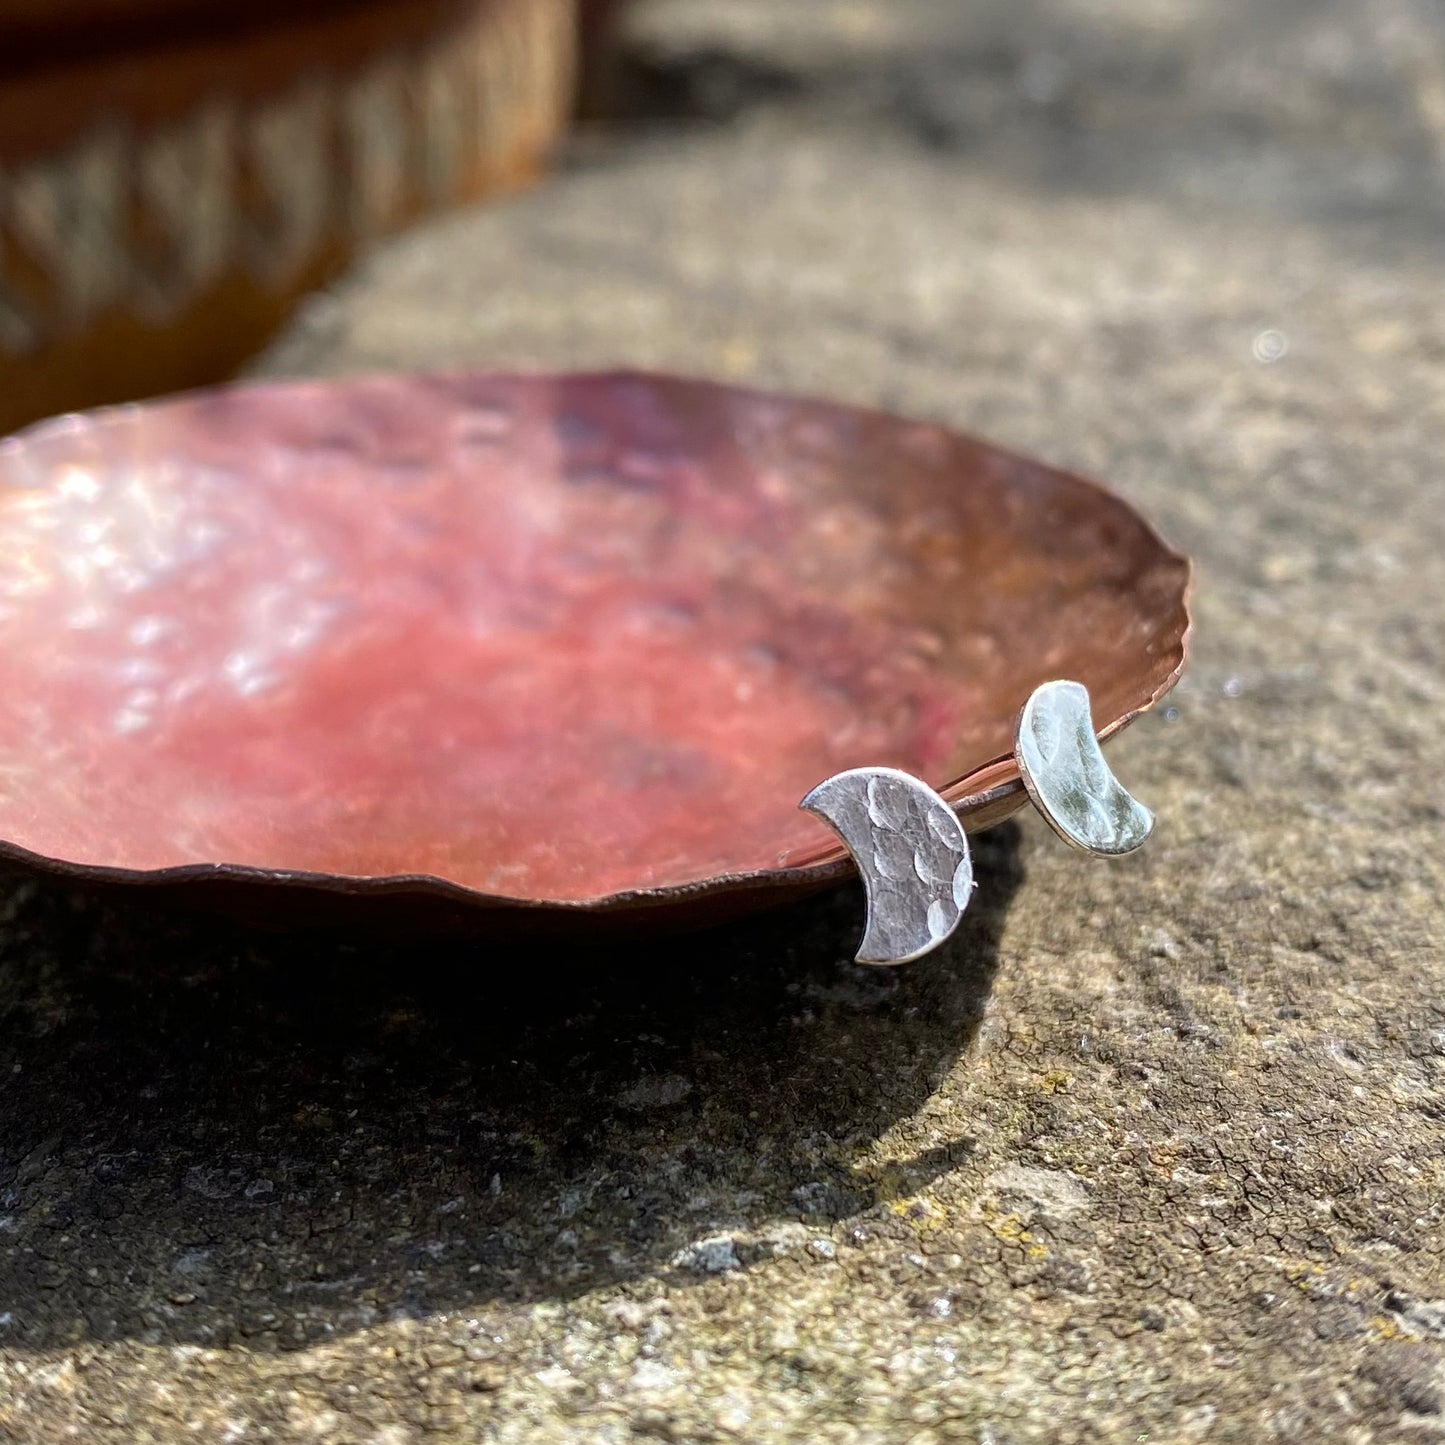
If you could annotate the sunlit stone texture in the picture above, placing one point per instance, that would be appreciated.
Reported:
(547, 639)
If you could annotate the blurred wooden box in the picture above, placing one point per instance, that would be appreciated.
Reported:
(174, 173)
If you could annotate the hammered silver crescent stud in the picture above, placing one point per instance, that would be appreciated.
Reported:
(1068, 780)
(911, 849)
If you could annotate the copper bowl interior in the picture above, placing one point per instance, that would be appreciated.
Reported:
(557, 640)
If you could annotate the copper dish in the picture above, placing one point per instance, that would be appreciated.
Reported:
(546, 649)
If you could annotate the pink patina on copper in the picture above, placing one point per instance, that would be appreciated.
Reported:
(547, 639)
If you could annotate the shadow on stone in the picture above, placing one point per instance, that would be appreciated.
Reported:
(215, 1136)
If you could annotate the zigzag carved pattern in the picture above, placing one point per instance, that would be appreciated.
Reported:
(145, 223)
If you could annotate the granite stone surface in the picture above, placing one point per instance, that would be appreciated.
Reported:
(1155, 1148)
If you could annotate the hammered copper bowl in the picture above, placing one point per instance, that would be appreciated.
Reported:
(551, 647)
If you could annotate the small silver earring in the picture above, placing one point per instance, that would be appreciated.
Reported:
(1064, 770)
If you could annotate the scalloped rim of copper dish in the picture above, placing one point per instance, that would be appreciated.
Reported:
(983, 797)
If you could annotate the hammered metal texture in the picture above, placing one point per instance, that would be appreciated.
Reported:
(1069, 780)
(912, 853)
(569, 641)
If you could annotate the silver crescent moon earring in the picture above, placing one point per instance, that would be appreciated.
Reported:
(911, 851)
(1068, 780)
(910, 847)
